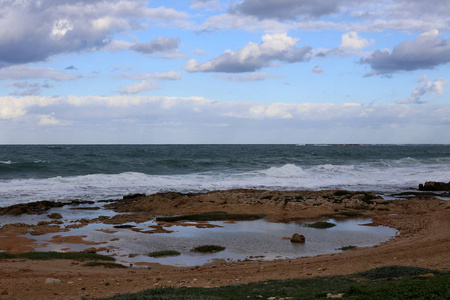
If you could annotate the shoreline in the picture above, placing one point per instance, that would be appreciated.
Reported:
(423, 241)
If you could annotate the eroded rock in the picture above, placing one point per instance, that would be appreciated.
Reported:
(434, 186)
(298, 238)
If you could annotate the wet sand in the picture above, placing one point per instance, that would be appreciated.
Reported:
(424, 240)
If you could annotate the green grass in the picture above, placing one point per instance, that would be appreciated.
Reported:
(208, 249)
(321, 225)
(56, 255)
(212, 216)
(349, 247)
(6, 255)
(104, 264)
(390, 272)
(164, 253)
(409, 287)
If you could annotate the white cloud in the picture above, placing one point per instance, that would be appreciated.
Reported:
(21, 72)
(252, 57)
(171, 75)
(50, 120)
(70, 26)
(351, 44)
(206, 4)
(351, 41)
(197, 119)
(317, 69)
(287, 9)
(117, 45)
(161, 44)
(427, 51)
(148, 81)
(427, 88)
(366, 16)
(248, 77)
(12, 107)
(143, 86)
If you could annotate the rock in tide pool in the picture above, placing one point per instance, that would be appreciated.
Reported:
(298, 238)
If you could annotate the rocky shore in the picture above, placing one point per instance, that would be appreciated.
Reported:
(423, 241)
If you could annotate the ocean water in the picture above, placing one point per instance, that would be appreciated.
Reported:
(96, 172)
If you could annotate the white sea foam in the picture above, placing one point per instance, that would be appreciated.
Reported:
(286, 171)
(334, 168)
(371, 176)
(7, 162)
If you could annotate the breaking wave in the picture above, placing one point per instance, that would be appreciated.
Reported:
(286, 171)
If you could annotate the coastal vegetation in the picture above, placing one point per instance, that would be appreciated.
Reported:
(345, 248)
(104, 264)
(164, 253)
(212, 216)
(392, 282)
(46, 255)
(208, 249)
(321, 225)
(124, 226)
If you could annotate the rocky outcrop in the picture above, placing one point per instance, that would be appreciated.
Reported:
(280, 205)
(434, 186)
(37, 207)
(54, 216)
(298, 238)
(133, 196)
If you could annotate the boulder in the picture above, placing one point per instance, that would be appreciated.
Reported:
(54, 216)
(434, 186)
(90, 250)
(133, 196)
(297, 238)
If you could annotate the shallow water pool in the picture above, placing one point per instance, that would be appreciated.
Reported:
(243, 240)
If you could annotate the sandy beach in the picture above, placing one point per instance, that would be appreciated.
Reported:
(423, 240)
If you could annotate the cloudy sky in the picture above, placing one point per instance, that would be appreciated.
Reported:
(212, 71)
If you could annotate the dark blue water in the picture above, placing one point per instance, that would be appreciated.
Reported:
(61, 172)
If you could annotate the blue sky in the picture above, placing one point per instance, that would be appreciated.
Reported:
(210, 71)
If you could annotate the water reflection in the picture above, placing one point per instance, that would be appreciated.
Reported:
(242, 240)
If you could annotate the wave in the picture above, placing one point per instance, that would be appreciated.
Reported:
(334, 168)
(7, 162)
(286, 171)
(408, 160)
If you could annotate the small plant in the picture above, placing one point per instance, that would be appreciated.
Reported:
(208, 249)
(164, 253)
(349, 247)
(321, 225)
(124, 226)
(104, 264)
(393, 272)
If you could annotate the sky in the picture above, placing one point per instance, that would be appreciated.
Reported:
(224, 72)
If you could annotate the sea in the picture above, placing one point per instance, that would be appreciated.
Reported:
(99, 172)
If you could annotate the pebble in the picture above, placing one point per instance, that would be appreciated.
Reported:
(51, 280)
(336, 296)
